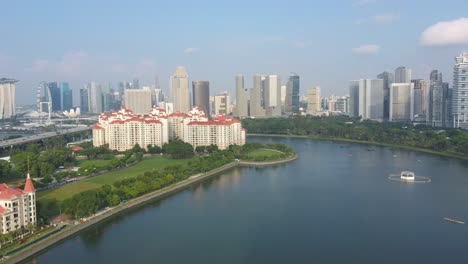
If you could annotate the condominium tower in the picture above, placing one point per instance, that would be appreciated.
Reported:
(179, 90)
(460, 91)
(367, 99)
(401, 102)
(7, 98)
(242, 101)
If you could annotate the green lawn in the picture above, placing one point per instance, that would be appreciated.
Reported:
(262, 152)
(96, 163)
(71, 189)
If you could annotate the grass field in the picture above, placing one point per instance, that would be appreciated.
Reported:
(262, 152)
(71, 189)
(96, 163)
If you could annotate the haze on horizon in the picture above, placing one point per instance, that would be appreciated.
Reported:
(327, 44)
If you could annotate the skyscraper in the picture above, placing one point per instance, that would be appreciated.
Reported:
(342, 104)
(402, 75)
(180, 94)
(201, 95)
(272, 95)
(222, 104)
(420, 97)
(138, 100)
(95, 98)
(7, 98)
(67, 96)
(460, 91)
(56, 96)
(367, 99)
(292, 94)
(84, 97)
(388, 79)
(313, 101)
(401, 102)
(438, 101)
(242, 101)
(256, 96)
(136, 84)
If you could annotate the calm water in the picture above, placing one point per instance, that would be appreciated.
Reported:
(334, 204)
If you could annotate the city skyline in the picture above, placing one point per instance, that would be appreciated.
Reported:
(98, 47)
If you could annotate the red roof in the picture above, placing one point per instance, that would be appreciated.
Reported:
(76, 148)
(2, 209)
(96, 126)
(6, 193)
(178, 114)
(29, 186)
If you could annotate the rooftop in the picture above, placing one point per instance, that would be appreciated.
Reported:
(6, 80)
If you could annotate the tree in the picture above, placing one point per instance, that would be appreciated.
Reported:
(178, 149)
(5, 169)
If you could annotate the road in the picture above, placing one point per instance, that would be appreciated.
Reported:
(37, 137)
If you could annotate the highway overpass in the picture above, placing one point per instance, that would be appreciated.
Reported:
(38, 137)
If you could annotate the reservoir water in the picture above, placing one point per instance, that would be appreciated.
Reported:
(335, 204)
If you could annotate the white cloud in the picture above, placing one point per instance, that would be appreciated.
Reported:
(385, 18)
(446, 33)
(364, 2)
(367, 50)
(190, 50)
(300, 44)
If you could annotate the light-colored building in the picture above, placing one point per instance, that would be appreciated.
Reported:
(460, 92)
(95, 98)
(123, 129)
(401, 102)
(402, 75)
(367, 99)
(7, 98)
(438, 101)
(180, 93)
(313, 101)
(138, 100)
(272, 95)
(17, 207)
(420, 97)
(242, 100)
(222, 104)
(342, 104)
(256, 96)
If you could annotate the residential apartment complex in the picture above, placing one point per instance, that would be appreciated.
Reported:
(7, 98)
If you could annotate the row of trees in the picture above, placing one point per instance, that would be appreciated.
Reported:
(450, 140)
(89, 202)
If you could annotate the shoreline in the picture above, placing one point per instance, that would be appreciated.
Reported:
(423, 150)
(159, 194)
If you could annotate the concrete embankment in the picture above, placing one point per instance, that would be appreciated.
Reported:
(69, 231)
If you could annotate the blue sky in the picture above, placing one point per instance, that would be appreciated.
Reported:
(327, 43)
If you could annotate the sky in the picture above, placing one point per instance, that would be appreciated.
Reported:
(327, 43)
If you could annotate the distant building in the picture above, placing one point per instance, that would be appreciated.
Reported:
(342, 104)
(138, 100)
(84, 97)
(272, 95)
(402, 75)
(292, 103)
(388, 79)
(460, 92)
(222, 104)
(438, 101)
(367, 99)
(420, 97)
(7, 98)
(201, 95)
(180, 94)
(66, 96)
(95, 98)
(242, 100)
(313, 101)
(256, 96)
(401, 102)
(56, 96)
(17, 207)
(136, 84)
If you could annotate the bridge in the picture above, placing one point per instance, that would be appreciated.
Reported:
(38, 137)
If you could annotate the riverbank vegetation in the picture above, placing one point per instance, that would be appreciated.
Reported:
(449, 141)
(84, 198)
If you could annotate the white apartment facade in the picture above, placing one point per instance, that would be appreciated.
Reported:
(7, 98)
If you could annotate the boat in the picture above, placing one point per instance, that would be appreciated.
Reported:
(454, 221)
(407, 176)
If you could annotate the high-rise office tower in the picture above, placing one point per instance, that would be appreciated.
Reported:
(138, 100)
(292, 94)
(388, 79)
(438, 101)
(401, 102)
(136, 84)
(342, 104)
(67, 97)
(256, 96)
(420, 97)
(460, 92)
(222, 104)
(402, 75)
(180, 94)
(7, 98)
(201, 95)
(272, 95)
(95, 98)
(314, 104)
(242, 101)
(56, 96)
(367, 99)
(84, 97)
